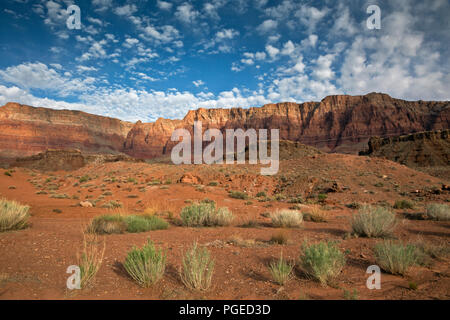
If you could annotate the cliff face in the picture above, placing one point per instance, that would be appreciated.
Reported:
(27, 130)
(422, 149)
(336, 124)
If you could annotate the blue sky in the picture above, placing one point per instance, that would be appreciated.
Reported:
(141, 60)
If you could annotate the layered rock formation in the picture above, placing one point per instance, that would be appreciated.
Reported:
(422, 149)
(336, 124)
(27, 130)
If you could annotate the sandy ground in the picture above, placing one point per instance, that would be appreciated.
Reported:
(33, 261)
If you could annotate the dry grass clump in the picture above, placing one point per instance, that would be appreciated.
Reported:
(147, 265)
(322, 261)
(286, 219)
(316, 214)
(108, 224)
(197, 269)
(90, 259)
(280, 238)
(205, 214)
(440, 212)
(396, 258)
(281, 270)
(13, 215)
(373, 222)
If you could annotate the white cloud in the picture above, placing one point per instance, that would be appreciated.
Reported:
(198, 83)
(126, 10)
(102, 5)
(186, 13)
(272, 51)
(267, 26)
(164, 5)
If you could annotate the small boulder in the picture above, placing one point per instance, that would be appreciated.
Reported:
(86, 204)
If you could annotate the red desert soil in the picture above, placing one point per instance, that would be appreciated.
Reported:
(33, 261)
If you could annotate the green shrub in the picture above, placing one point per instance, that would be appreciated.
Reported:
(136, 224)
(60, 196)
(205, 214)
(238, 195)
(322, 261)
(213, 184)
(147, 265)
(396, 258)
(13, 215)
(280, 270)
(440, 212)
(84, 179)
(108, 224)
(373, 222)
(286, 219)
(7, 173)
(403, 204)
(322, 197)
(197, 268)
(112, 205)
(261, 194)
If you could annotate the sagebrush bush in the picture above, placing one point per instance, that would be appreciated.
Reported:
(238, 195)
(108, 224)
(403, 204)
(13, 215)
(440, 212)
(112, 205)
(281, 270)
(136, 224)
(322, 261)
(396, 258)
(197, 269)
(90, 259)
(286, 218)
(205, 214)
(147, 265)
(373, 222)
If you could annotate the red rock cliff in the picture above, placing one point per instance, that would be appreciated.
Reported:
(336, 124)
(26, 130)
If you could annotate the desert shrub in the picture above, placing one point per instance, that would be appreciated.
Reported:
(90, 259)
(84, 179)
(279, 238)
(7, 173)
(205, 214)
(107, 193)
(351, 295)
(298, 199)
(60, 196)
(238, 195)
(136, 224)
(403, 204)
(13, 215)
(147, 265)
(108, 224)
(316, 214)
(281, 270)
(353, 205)
(197, 269)
(261, 194)
(321, 197)
(396, 258)
(322, 261)
(286, 219)
(440, 212)
(112, 205)
(373, 222)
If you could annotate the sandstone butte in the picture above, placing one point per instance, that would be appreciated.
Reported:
(340, 123)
